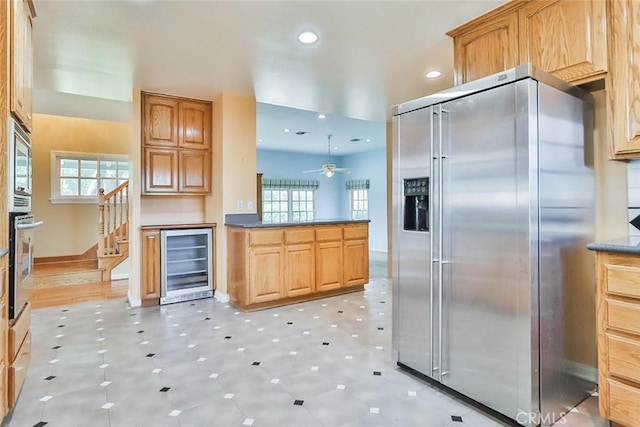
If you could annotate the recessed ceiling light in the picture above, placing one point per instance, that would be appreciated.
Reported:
(286, 130)
(335, 148)
(308, 37)
(433, 74)
(322, 116)
(368, 139)
(260, 140)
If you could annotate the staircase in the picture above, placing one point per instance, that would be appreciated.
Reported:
(113, 228)
(67, 279)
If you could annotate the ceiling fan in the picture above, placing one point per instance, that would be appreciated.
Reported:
(329, 169)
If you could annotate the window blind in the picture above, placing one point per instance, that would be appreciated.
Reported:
(291, 184)
(358, 184)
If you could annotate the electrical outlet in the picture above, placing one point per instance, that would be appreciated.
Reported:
(239, 205)
(249, 205)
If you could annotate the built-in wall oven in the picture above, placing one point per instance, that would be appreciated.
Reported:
(21, 222)
(21, 243)
(19, 169)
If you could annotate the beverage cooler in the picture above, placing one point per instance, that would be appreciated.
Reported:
(187, 260)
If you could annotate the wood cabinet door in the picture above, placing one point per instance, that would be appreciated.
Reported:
(265, 270)
(623, 79)
(21, 62)
(195, 125)
(160, 120)
(328, 265)
(486, 48)
(299, 269)
(160, 171)
(194, 168)
(356, 262)
(150, 271)
(565, 37)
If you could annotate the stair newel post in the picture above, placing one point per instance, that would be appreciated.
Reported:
(101, 222)
(108, 231)
(126, 211)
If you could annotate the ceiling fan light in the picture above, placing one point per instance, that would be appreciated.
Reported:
(329, 174)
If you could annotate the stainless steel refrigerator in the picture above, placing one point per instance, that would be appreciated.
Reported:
(493, 205)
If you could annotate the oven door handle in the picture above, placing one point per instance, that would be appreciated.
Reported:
(29, 225)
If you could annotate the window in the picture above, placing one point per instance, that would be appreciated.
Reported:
(77, 177)
(359, 198)
(288, 200)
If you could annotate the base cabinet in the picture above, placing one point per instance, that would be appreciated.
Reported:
(150, 274)
(299, 268)
(618, 310)
(329, 261)
(275, 266)
(185, 255)
(19, 354)
(266, 265)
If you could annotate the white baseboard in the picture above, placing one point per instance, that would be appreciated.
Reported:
(378, 250)
(221, 296)
(133, 302)
(119, 276)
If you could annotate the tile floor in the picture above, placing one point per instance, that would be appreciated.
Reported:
(205, 363)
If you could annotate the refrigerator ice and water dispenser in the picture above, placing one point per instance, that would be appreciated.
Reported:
(416, 204)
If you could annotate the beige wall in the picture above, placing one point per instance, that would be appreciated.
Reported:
(234, 169)
(69, 229)
(611, 180)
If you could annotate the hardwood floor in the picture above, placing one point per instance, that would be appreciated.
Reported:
(62, 295)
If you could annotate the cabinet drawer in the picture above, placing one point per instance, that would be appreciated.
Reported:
(332, 233)
(623, 280)
(18, 370)
(18, 331)
(623, 316)
(624, 357)
(623, 403)
(298, 236)
(356, 232)
(265, 237)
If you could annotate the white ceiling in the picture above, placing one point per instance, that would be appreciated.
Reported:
(90, 55)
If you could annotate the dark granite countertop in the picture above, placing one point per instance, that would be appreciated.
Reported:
(259, 224)
(624, 245)
(3, 252)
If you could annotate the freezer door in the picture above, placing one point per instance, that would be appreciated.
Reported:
(412, 300)
(486, 248)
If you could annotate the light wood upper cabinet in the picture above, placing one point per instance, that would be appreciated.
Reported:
(176, 145)
(623, 79)
(161, 170)
(160, 121)
(195, 169)
(564, 37)
(486, 48)
(22, 14)
(195, 125)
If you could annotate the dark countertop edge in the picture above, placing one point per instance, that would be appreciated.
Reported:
(623, 246)
(177, 226)
(296, 224)
(3, 252)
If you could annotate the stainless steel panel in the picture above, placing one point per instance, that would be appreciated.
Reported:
(485, 246)
(567, 282)
(411, 249)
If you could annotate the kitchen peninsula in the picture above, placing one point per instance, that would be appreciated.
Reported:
(276, 264)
